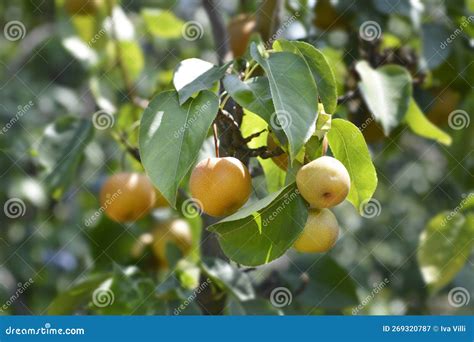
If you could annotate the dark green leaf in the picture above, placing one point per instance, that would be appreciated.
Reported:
(294, 95)
(253, 94)
(77, 296)
(320, 68)
(264, 230)
(61, 149)
(235, 281)
(171, 136)
(330, 286)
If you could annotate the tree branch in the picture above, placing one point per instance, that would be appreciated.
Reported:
(219, 31)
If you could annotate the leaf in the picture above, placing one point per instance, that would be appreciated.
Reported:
(348, 146)
(253, 94)
(320, 68)
(330, 286)
(171, 136)
(60, 151)
(109, 236)
(193, 75)
(236, 281)
(386, 91)
(445, 246)
(274, 176)
(132, 57)
(419, 124)
(264, 230)
(294, 95)
(73, 298)
(161, 23)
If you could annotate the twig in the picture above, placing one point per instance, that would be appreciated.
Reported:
(219, 31)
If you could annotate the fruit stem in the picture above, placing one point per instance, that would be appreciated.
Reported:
(216, 141)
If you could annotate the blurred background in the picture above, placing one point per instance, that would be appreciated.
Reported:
(63, 63)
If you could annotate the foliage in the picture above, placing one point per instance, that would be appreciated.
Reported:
(145, 87)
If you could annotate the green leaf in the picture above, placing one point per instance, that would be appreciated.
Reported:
(320, 68)
(348, 146)
(386, 91)
(161, 23)
(171, 136)
(274, 176)
(112, 237)
(419, 124)
(264, 230)
(253, 94)
(294, 95)
(77, 296)
(235, 281)
(445, 246)
(193, 75)
(330, 286)
(132, 57)
(60, 151)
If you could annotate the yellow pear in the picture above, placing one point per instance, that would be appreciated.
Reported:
(320, 232)
(177, 232)
(324, 182)
(281, 160)
(220, 185)
(127, 196)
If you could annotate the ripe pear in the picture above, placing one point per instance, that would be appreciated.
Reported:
(320, 232)
(127, 196)
(177, 232)
(324, 182)
(281, 160)
(161, 201)
(240, 29)
(82, 7)
(220, 185)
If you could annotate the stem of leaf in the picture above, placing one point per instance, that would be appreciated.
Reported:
(216, 141)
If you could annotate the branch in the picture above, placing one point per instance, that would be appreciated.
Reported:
(219, 31)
